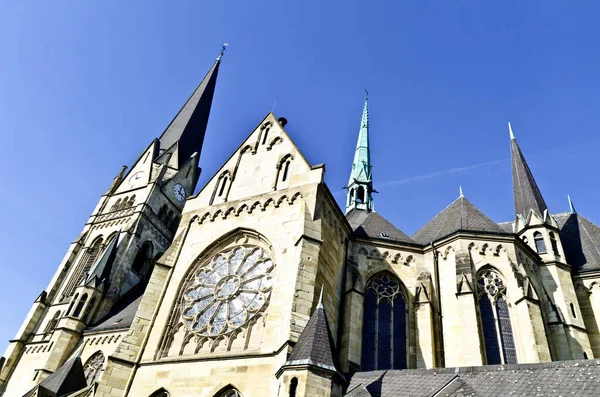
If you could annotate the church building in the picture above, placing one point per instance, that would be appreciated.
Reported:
(261, 285)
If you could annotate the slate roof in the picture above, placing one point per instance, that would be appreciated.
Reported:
(581, 241)
(369, 224)
(559, 378)
(507, 226)
(460, 215)
(526, 192)
(67, 379)
(123, 311)
(315, 344)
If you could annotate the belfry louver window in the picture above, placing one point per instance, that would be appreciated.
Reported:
(384, 324)
(495, 319)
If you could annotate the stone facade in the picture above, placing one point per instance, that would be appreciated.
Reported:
(212, 298)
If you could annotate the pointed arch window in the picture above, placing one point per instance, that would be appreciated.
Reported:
(360, 195)
(52, 323)
(286, 170)
(80, 305)
(116, 205)
(141, 263)
(93, 367)
(265, 135)
(162, 213)
(384, 338)
(293, 386)
(229, 392)
(223, 184)
(85, 264)
(540, 245)
(351, 196)
(124, 203)
(554, 244)
(495, 319)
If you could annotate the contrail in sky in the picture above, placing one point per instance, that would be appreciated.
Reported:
(439, 173)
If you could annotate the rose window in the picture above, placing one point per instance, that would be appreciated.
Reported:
(228, 292)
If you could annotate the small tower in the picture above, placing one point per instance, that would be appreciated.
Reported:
(360, 185)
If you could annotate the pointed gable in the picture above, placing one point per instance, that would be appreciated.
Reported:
(315, 344)
(266, 161)
(372, 225)
(527, 195)
(460, 215)
(67, 379)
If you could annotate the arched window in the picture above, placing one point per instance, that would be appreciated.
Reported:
(162, 213)
(80, 305)
(162, 392)
(229, 392)
(52, 323)
(85, 264)
(93, 367)
(124, 203)
(223, 184)
(142, 258)
(351, 196)
(495, 318)
(286, 169)
(293, 386)
(384, 324)
(116, 205)
(170, 219)
(131, 201)
(68, 312)
(554, 244)
(90, 310)
(540, 245)
(360, 196)
(265, 135)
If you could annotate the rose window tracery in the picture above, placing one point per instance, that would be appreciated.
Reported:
(228, 292)
(491, 283)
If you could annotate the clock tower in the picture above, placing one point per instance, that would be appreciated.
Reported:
(111, 260)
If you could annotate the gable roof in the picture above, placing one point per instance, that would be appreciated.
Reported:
(370, 224)
(460, 215)
(65, 380)
(315, 344)
(545, 379)
(580, 239)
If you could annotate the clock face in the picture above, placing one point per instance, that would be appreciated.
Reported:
(179, 192)
(137, 178)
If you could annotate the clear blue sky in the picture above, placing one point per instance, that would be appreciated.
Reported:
(85, 86)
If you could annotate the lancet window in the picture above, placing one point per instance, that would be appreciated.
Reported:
(229, 393)
(495, 318)
(85, 264)
(540, 245)
(384, 338)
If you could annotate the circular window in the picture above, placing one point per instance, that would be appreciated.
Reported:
(228, 291)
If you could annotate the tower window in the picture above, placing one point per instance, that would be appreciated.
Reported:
(351, 196)
(495, 319)
(131, 201)
(142, 258)
(360, 195)
(293, 386)
(554, 244)
(384, 325)
(116, 205)
(124, 203)
(540, 245)
(85, 264)
(52, 323)
(162, 213)
(80, 305)
(89, 310)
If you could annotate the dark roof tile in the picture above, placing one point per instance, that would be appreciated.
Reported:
(581, 241)
(370, 224)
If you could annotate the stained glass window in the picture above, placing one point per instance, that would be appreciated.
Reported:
(495, 319)
(93, 366)
(384, 325)
(540, 246)
(228, 291)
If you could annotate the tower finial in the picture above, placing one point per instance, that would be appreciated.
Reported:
(320, 304)
(223, 49)
(571, 206)
(460, 191)
(510, 130)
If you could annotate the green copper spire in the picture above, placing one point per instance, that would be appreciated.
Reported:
(360, 184)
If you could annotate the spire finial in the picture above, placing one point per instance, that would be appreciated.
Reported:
(571, 206)
(510, 130)
(223, 49)
(366, 94)
(460, 191)
(320, 304)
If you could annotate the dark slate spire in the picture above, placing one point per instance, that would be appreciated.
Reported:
(526, 192)
(189, 125)
(315, 344)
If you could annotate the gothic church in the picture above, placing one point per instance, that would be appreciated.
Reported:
(260, 285)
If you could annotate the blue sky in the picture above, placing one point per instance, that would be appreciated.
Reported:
(85, 86)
